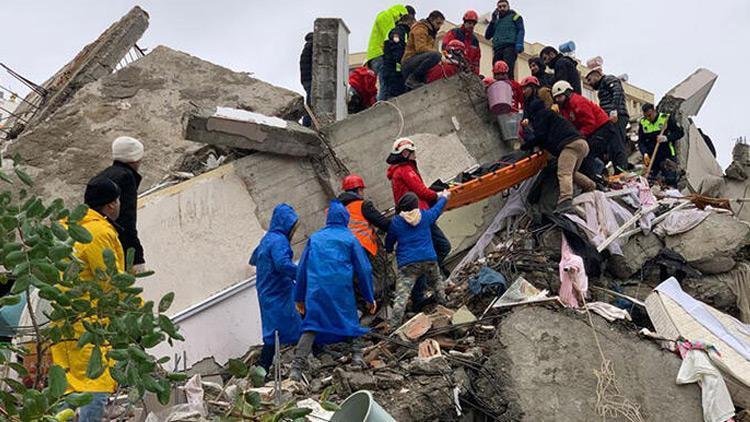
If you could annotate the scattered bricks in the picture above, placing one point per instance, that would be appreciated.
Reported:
(429, 349)
(377, 364)
(445, 342)
(415, 327)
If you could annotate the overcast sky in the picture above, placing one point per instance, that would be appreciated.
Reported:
(657, 43)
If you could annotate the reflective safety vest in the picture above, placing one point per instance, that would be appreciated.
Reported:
(361, 228)
(650, 127)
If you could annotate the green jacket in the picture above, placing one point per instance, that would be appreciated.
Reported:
(384, 22)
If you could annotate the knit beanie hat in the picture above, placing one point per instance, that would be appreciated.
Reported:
(127, 150)
(100, 191)
(408, 202)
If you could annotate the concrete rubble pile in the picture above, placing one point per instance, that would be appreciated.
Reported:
(508, 345)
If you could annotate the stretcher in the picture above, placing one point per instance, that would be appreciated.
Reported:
(497, 181)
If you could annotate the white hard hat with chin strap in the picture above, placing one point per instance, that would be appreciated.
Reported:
(560, 88)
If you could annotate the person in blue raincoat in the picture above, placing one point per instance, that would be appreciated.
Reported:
(275, 273)
(324, 293)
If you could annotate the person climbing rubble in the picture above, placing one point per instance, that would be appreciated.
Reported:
(393, 51)
(384, 22)
(593, 123)
(363, 89)
(506, 31)
(102, 196)
(532, 89)
(275, 273)
(421, 53)
(364, 219)
(612, 99)
(415, 254)
(564, 67)
(560, 138)
(404, 176)
(127, 154)
(305, 74)
(649, 133)
(465, 35)
(453, 62)
(324, 294)
(500, 72)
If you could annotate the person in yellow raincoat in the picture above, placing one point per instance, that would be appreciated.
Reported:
(103, 198)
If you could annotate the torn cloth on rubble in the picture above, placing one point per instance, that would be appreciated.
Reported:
(574, 282)
(717, 403)
(592, 259)
(602, 216)
(680, 221)
(701, 314)
(608, 311)
(646, 199)
(488, 279)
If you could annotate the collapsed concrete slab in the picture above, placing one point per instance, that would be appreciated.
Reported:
(146, 100)
(95, 61)
(251, 131)
(543, 364)
(450, 123)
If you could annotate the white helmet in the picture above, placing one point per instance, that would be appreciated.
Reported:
(403, 144)
(561, 87)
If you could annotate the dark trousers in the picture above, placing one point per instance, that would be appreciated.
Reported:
(622, 129)
(418, 65)
(509, 55)
(442, 248)
(306, 119)
(266, 357)
(606, 144)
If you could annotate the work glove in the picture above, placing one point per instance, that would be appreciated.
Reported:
(525, 122)
(445, 194)
(555, 108)
(519, 48)
(661, 139)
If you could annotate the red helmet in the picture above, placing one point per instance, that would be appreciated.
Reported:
(500, 67)
(471, 16)
(530, 80)
(455, 45)
(352, 182)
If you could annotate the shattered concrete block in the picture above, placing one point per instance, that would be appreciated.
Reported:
(437, 365)
(711, 246)
(639, 250)
(462, 316)
(542, 365)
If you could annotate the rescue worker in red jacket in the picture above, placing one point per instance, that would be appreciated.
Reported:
(404, 176)
(465, 34)
(500, 72)
(452, 63)
(593, 123)
(363, 89)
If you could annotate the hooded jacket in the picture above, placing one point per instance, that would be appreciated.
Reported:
(566, 69)
(305, 61)
(326, 275)
(364, 81)
(404, 176)
(414, 242)
(421, 39)
(128, 180)
(274, 275)
(473, 52)
(612, 95)
(550, 131)
(384, 22)
(585, 115)
(67, 354)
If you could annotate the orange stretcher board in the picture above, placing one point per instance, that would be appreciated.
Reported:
(493, 183)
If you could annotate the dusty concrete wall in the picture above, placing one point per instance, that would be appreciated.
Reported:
(451, 125)
(330, 76)
(147, 100)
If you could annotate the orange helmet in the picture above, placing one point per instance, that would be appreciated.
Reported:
(471, 16)
(530, 80)
(351, 182)
(500, 67)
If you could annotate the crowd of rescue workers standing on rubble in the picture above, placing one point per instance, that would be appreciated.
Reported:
(329, 295)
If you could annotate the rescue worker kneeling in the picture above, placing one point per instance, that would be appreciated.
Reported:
(324, 293)
(560, 138)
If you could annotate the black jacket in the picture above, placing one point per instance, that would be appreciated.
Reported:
(305, 62)
(612, 95)
(393, 48)
(551, 131)
(128, 180)
(566, 69)
(545, 79)
(371, 214)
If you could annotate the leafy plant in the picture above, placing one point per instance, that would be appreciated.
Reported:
(37, 250)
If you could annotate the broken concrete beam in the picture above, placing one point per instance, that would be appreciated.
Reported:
(95, 61)
(538, 352)
(252, 131)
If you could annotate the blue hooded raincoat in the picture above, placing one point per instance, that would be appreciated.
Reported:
(275, 272)
(325, 279)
